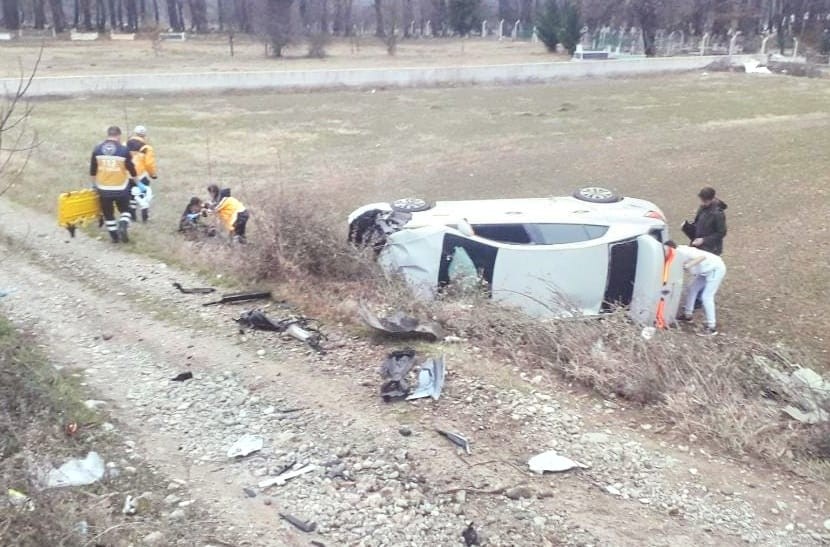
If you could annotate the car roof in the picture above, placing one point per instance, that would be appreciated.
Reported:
(536, 210)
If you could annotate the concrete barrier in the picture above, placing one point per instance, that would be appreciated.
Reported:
(94, 84)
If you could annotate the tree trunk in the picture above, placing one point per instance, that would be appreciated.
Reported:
(58, 18)
(39, 9)
(324, 16)
(180, 12)
(241, 14)
(100, 15)
(408, 17)
(113, 23)
(279, 25)
(646, 12)
(198, 15)
(172, 15)
(11, 14)
(337, 23)
(379, 29)
(86, 14)
(347, 17)
(220, 14)
(132, 15)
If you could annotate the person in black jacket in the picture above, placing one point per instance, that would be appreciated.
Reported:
(710, 223)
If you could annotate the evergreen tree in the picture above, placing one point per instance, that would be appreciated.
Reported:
(549, 25)
(571, 32)
(464, 15)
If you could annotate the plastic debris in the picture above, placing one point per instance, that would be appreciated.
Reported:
(245, 445)
(430, 379)
(287, 476)
(648, 333)
(304, 525)
(400, 323)
(182, 376)
(195, 290)
(812, 417)
(394, 371)
(552, 462)
(19, 499)
(470, 535)
(130, 507)
(299, 328)
(456, 439)
(77, 472)
(6, 292)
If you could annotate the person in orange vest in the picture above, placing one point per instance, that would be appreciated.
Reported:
(111, 170)
(230, 211)
(144, 159)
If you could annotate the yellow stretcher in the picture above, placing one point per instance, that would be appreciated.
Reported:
(78, 207)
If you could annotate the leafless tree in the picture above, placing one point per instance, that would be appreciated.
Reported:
(17, 138)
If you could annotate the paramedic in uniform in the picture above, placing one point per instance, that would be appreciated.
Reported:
(111, 169)
(144, 159)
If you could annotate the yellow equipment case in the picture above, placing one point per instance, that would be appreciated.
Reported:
(78, 207)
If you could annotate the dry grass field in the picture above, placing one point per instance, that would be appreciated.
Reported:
(762, 142)
(62, 58)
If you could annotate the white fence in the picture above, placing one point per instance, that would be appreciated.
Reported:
(359, 77)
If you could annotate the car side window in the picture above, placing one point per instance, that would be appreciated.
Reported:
(560, 234)
(503, 233)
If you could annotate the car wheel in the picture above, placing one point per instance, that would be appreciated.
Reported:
(597, 194)
(410, 205)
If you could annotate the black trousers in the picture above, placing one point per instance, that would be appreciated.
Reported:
(241, 223)
(109, 202)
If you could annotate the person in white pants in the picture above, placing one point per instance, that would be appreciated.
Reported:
(707, 270)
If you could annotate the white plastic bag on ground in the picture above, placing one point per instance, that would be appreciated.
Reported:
(553, 463)
(77, 472)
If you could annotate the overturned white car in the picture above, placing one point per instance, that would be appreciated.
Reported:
(560, 256)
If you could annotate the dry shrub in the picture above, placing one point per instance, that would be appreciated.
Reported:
(712, 388)
(298, 237)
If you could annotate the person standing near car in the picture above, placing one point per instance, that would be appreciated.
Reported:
(111, 170)
(710, 223)
(144, 159)
(707, 270)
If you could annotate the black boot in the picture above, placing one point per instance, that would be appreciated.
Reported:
(133, 214)
(122, 231)
(114, 236)
(145, 215)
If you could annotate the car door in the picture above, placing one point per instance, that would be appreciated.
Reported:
(650, 287)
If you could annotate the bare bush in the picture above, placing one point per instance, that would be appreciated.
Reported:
(17, 139)
(713, 390)
(317, 44)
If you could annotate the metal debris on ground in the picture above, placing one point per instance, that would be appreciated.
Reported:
(195, 290)
(299, 328)
(456, 439)
(240, 297)
(394, 370)
(470, 535)
(551, 462)
(77, 472)
(430, 379)
(304, 525)
(400, 323)
(245, 445)
(287, 476)
(182, 376)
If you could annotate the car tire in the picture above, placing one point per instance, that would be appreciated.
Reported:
(410, 205)
(597, 194)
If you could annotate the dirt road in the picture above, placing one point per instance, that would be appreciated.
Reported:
(380, 474)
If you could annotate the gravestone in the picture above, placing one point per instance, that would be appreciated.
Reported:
(514, 34)
(501, 30)
(6, 36)
(122, 36)
(484, 28)
(83, 36)
(173, 36)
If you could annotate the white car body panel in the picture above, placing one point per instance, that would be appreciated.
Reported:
(570, 281)
(541, 279)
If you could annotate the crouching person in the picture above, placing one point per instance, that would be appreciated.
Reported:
(230, 211)
(707, 270)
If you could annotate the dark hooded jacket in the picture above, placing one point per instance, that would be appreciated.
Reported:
(710, 225)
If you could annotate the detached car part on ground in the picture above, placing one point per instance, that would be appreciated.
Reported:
(550, 257)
